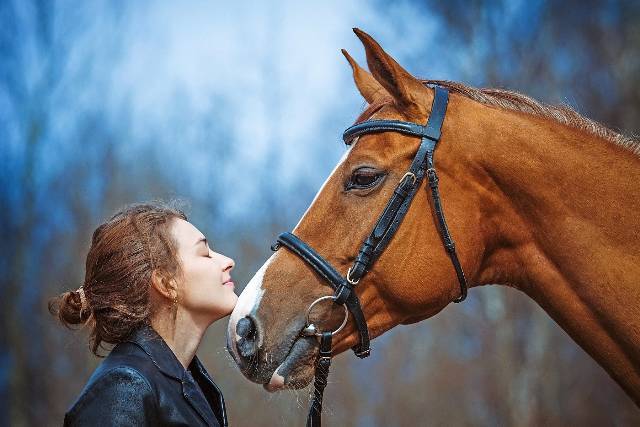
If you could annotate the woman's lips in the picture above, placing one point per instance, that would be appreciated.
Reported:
(229, 283)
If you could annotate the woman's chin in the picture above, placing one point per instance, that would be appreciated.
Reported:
(226, 305)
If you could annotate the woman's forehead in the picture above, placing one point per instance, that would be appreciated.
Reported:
(185, 232)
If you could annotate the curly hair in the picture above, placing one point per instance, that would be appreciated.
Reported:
(114, 299)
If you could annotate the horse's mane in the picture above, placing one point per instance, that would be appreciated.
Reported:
(518, 102)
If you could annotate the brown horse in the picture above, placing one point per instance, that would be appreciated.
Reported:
(537, 198)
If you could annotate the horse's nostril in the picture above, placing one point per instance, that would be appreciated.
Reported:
(247, 344)
(246, 348)
(246, 328)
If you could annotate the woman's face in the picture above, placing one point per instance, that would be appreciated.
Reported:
(207, 289)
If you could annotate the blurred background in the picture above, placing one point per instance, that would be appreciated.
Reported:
(238, 109)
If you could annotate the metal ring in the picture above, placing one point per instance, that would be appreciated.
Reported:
(411, 174)
(309, 324)
(353, 282)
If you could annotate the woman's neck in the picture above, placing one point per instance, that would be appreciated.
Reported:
(181, 332)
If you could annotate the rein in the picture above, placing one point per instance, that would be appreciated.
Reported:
(384, 230)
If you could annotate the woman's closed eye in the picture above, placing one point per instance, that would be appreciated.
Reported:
(207, 253)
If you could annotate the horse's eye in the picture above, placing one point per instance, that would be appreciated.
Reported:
(364, 178)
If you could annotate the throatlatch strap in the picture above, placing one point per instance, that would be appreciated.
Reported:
(314, 419)
(447, 240)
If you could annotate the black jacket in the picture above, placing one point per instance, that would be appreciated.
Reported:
(142, 383)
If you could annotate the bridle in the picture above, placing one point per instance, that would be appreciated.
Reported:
(382, 233)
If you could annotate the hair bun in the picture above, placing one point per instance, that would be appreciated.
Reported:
(68, 307)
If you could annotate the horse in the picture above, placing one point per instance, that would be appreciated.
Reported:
(537, 197)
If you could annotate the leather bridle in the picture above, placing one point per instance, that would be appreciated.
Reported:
(382, 233)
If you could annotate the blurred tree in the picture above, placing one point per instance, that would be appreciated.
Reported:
(71, 155)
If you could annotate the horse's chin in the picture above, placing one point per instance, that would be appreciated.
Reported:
(297, 369)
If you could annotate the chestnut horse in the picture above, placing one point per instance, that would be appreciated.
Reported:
(536, 197)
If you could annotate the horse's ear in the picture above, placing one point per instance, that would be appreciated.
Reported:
(368, 86)
(405, 89)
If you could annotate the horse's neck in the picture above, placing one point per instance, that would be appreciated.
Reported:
(567, 215)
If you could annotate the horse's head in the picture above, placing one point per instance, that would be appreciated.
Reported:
(412, 280)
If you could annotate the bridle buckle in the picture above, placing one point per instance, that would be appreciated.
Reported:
(349, 279)
(410, 174)
(364, 353)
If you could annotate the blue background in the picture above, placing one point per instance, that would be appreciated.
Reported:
(237, 109)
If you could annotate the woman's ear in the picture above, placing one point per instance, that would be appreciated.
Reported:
(164, 285)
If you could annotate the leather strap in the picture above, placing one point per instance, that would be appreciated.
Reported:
(431, 130)
(384, 230)
(391, 217)
(343, 289)
(323, 363)
(447, 241)
(398, 205)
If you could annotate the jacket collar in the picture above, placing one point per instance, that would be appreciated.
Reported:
(158, 351)
(166, 361)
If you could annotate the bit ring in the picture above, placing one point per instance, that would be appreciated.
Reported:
(311, 330)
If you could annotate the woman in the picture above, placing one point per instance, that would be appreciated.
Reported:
(152, 288)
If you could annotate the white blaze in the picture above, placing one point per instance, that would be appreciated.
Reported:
(249, 300)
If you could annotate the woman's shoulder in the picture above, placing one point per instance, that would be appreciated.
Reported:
(122, 379)
(129, 355)
(120, 390)
(122, 396)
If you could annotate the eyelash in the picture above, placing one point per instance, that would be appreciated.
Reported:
(364, 172)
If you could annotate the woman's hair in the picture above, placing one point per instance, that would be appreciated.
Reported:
(114, 299)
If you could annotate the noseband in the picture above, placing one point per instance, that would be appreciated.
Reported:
(378, 240)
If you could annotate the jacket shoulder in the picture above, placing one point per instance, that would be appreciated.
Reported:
(117, 396)
(128, 355)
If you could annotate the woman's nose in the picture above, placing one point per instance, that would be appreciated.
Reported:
(230, 264)
(227, 263)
